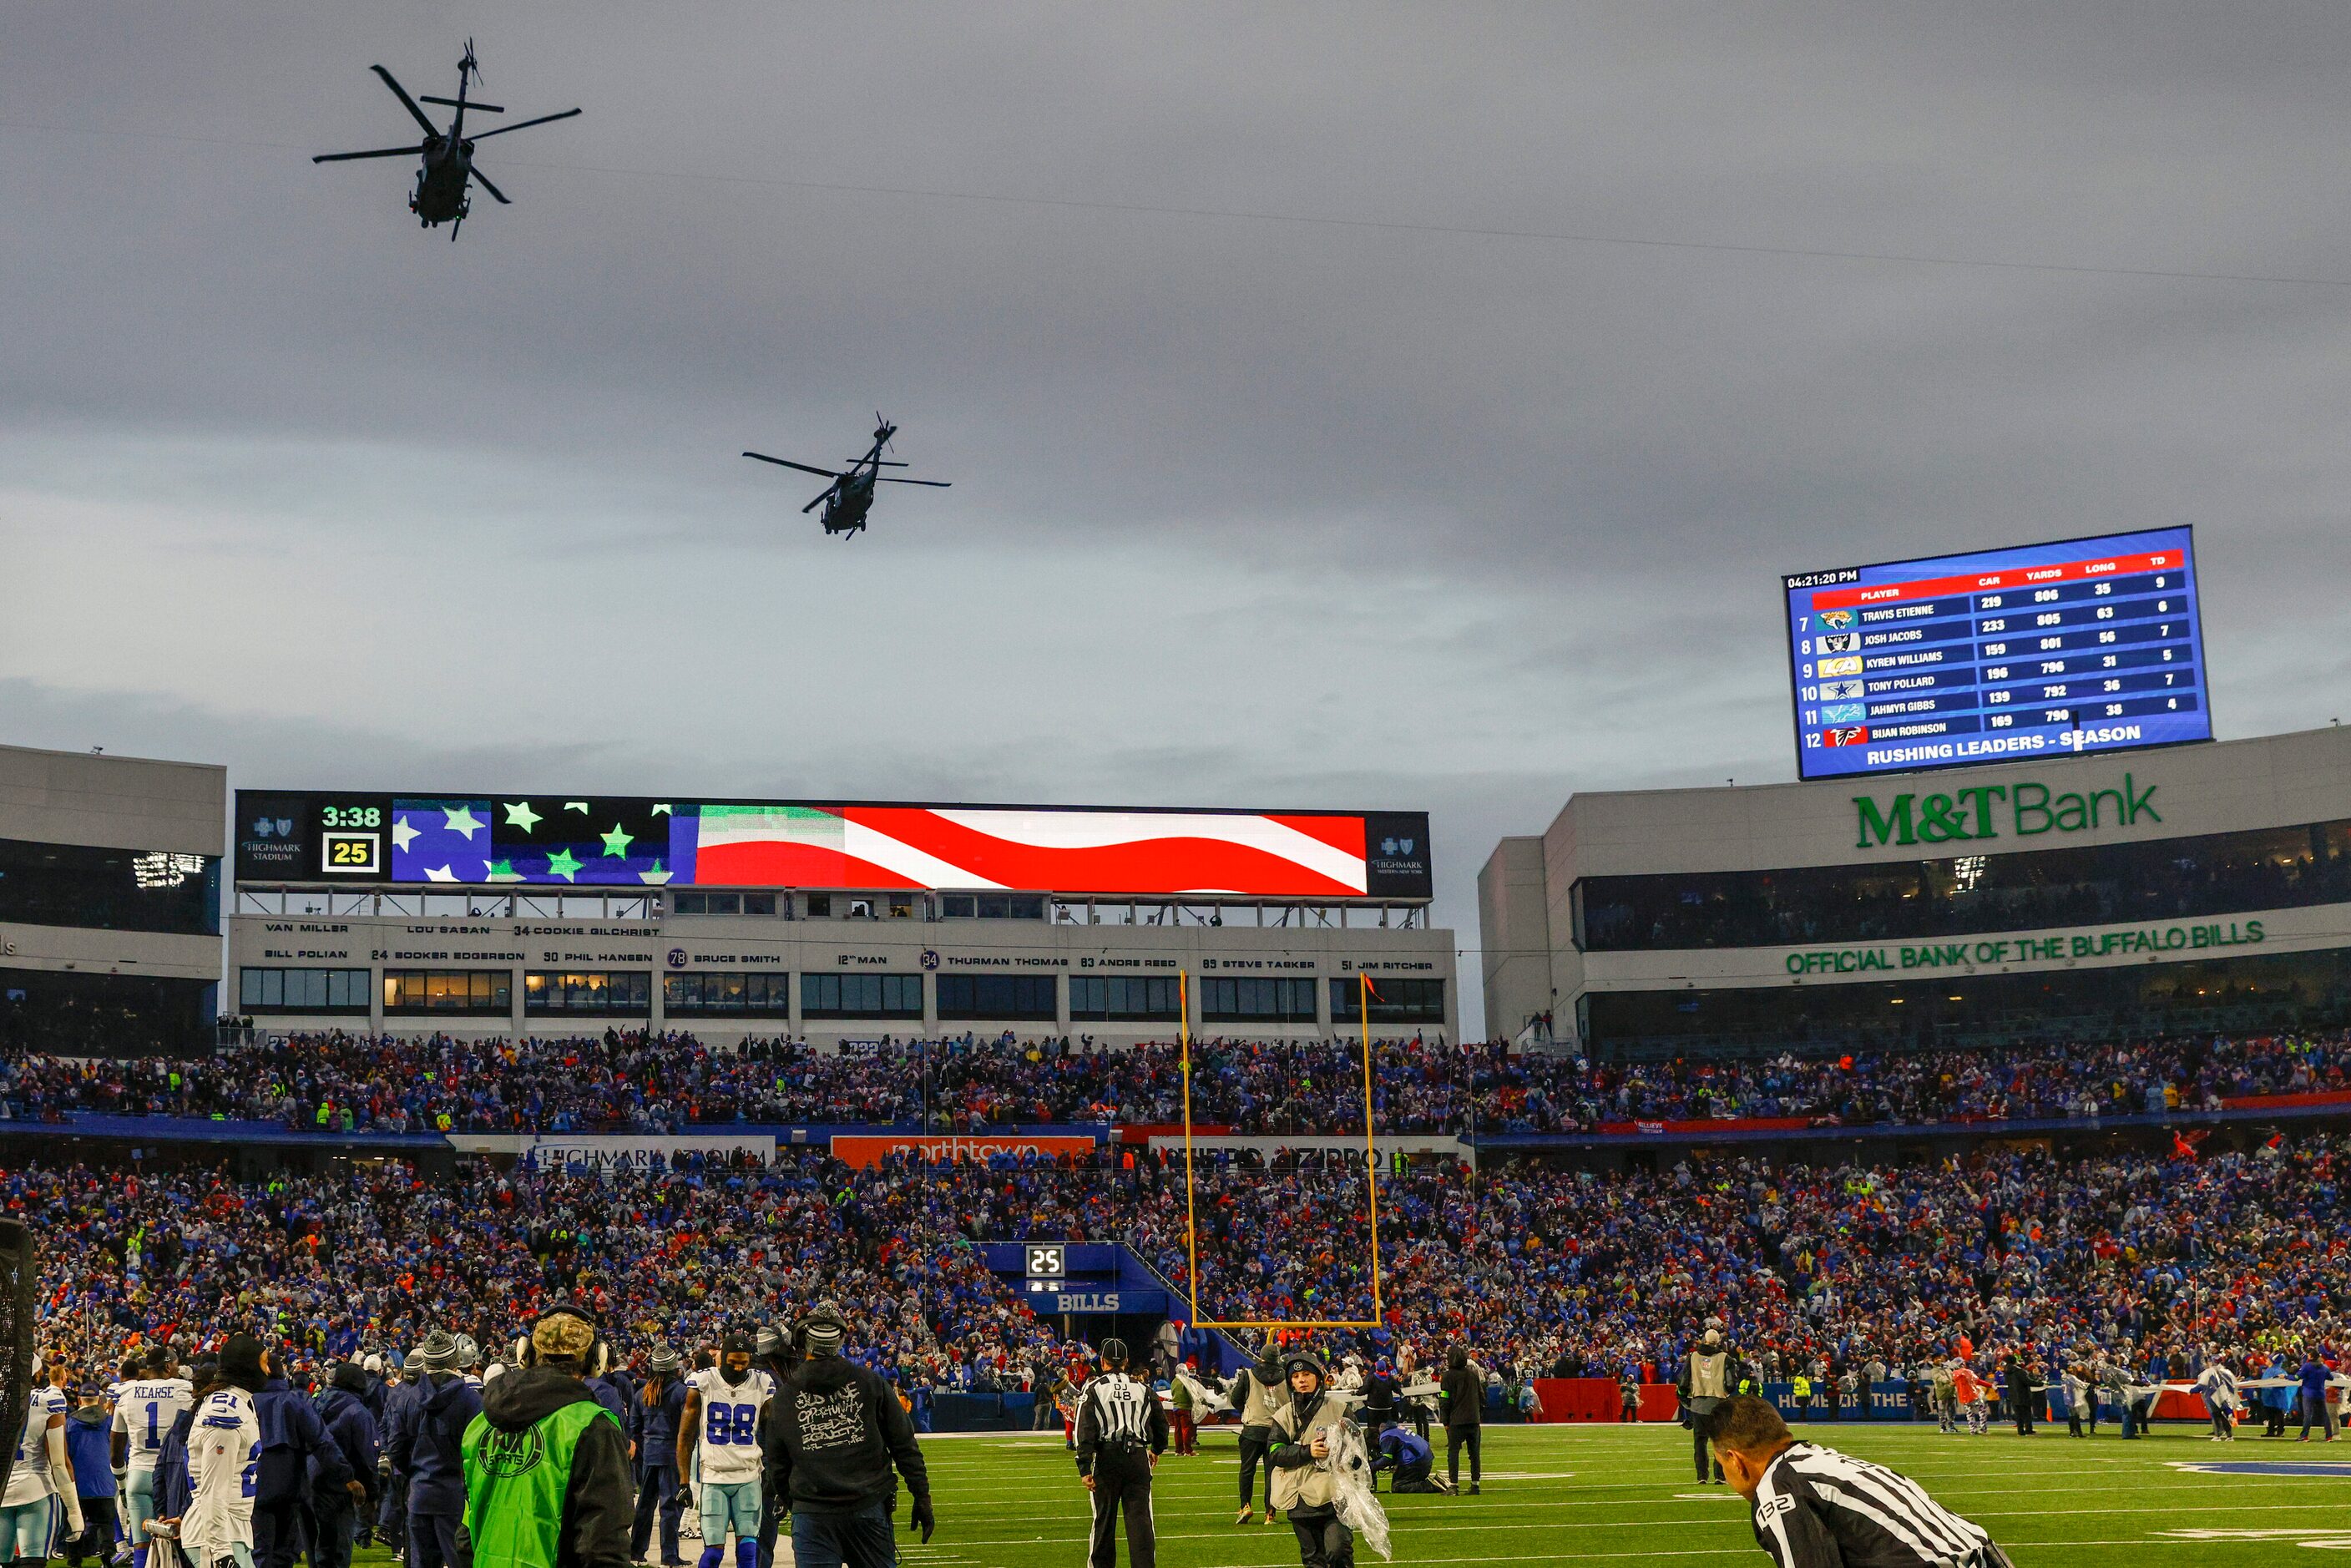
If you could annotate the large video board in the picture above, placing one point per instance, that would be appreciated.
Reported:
(2000, 656)
(485, 840)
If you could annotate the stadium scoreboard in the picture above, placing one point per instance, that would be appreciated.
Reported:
(2078, 646)
(485, 839)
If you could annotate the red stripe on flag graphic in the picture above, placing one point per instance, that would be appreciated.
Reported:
(1171, 864)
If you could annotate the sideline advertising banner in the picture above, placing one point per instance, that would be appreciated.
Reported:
(862, 1150)
(604, 1153)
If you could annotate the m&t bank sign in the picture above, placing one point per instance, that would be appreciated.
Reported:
(1988, 810)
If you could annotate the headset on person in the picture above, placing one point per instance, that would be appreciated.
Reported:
(594, 1363)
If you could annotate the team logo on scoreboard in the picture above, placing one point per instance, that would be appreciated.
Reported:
(1848, 665)
(1855, 735)
(1848, 643)
(1832, 691)
(1845, 713)
(1836, 619)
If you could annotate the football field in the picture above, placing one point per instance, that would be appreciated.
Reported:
(1567, 1494)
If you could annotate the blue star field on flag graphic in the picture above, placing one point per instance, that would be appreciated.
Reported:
(574, 842)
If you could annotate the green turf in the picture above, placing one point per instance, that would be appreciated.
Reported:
(1566, 1494)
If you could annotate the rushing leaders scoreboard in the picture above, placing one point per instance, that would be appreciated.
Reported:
(2078, 646)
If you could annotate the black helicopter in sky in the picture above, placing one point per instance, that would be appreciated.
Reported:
(851, 495)
(440, 195)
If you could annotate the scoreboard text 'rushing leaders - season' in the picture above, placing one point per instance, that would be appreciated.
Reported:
(1997, 655)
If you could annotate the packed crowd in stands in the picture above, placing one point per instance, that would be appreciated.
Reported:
(623, 1081)
(1542, 1270)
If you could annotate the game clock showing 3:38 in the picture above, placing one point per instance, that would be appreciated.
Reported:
(350, 837)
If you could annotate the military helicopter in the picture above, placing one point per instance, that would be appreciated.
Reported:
(440, 195)
(851, 495)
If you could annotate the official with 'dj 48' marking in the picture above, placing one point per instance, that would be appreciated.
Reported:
(1122, 1432)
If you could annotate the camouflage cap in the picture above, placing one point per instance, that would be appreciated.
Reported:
(563, 1335)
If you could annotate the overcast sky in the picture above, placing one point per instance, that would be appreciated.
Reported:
(1419, 510)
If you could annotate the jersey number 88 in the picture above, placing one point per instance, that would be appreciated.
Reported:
(732, 1425)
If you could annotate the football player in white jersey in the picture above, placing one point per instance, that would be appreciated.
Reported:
(720, 1423)
(41, 1480)
(225, 1462)
(146, 1406)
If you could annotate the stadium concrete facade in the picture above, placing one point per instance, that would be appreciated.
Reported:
(110, 901)
(764, 920)
(2183, 889)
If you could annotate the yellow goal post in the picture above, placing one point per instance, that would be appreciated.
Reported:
(1363, 996)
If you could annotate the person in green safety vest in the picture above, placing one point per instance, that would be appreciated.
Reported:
(1800, 1388)
(546, 1466)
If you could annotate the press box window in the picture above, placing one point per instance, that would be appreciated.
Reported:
(588, 993)
(1393, 1001)
(111, 890)
(302, 990)
(1012, 997)
(861, 995)
(481, 992)
(1116, 999)
(992, 907)
(729, 992)
(1257, 1001)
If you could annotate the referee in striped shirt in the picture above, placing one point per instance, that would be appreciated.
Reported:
(1122, 1432)
(1815, 1508)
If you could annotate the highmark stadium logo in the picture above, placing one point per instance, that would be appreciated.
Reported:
(272, 826)
(1395, 847)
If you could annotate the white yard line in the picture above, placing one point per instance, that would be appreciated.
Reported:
(1417, 1528)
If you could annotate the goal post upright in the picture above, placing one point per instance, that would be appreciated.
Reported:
(1191, 1212)
(1371, 1143)
(1191, 1220)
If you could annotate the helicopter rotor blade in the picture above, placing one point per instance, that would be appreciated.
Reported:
(453, 103)
(820, 501)
(788, 462)
(407, 103)
(878, 461)
(483, 182)
(893, 479)
(521, 124)
(379, 152)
